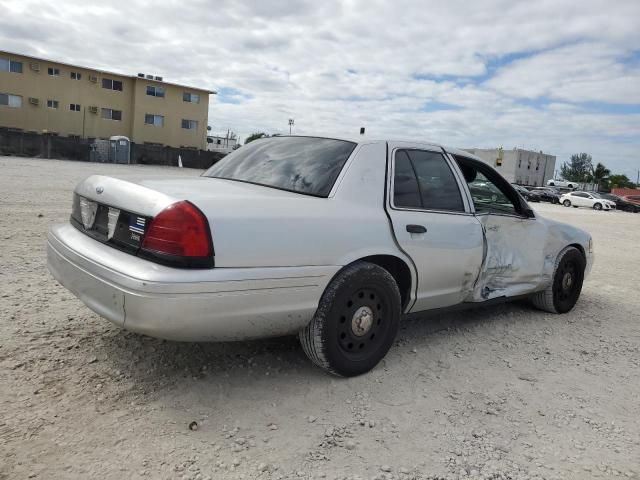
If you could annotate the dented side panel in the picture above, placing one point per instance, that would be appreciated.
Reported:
(520, 255)
(514, 259)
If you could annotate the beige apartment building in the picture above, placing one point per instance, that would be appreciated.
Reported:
(45, 96)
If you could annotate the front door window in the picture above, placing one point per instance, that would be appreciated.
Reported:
(487, 194)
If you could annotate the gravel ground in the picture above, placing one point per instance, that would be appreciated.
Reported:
(503, 392)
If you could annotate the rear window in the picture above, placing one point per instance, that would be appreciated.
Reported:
(298, 164)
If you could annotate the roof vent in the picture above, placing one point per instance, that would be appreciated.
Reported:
(149, 77)
(159, 78)
(141, 75)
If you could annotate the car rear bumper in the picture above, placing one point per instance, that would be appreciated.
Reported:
(190, 305)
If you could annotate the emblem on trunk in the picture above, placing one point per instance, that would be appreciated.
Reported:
(99, 190)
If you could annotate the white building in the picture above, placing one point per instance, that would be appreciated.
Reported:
(222, 143)
(523, 167)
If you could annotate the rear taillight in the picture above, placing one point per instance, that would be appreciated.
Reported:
(179, 236)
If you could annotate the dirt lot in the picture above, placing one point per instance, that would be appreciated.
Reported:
(502, 392)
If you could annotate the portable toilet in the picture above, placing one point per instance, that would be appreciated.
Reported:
(119, 149)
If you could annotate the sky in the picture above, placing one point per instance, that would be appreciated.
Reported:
(561, 76)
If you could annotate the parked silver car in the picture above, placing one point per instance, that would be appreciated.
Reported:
(326, 238)
(555, 182)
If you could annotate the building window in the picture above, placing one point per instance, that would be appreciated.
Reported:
(54, 72)
(538, 164)
(52, 103)
(190, 97)
(112, 84)
(76, 75)
(529, 164)
(155, 120)
(189, 124)
(74, 107)
(12, 101)
(155, 91)
(10, 66)
(109, 114)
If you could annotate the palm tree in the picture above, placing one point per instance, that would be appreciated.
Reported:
(599, 173)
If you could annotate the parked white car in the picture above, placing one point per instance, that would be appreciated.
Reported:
(554, 182)
(333, 240)
(587, 199)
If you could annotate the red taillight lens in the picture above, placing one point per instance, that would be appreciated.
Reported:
(180, 230)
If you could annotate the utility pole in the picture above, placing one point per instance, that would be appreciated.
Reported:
(290, 125)
(638, 180)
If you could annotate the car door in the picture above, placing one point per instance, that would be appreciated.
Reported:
(515, 240)
(433, 224)
(590, 200)
(581, 199)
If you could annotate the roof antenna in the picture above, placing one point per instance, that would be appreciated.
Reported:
(361, 130)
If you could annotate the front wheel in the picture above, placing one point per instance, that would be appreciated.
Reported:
(564, 291)
(356, 321)
(567, 203)
(597, 206)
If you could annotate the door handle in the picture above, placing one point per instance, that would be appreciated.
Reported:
(416, 229)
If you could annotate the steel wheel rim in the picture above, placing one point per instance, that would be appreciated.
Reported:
(363, 322)
(567, 281)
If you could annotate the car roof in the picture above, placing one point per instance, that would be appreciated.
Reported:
(364, 140)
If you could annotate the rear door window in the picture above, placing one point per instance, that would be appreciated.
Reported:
(405, 183)
(438, 187)
(423, 179)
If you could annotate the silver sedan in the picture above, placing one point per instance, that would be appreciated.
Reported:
(331, 239)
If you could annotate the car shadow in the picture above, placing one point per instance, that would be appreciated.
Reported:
(147, 364)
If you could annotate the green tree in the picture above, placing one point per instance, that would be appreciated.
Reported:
(600, 176)
(255, 136)
(578, 168)
(620, 181)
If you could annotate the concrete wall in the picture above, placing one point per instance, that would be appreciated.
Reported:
(34, 82)
(519, 166)
(625, 191)
(28, 144)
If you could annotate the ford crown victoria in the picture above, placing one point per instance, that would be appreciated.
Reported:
(333, 240)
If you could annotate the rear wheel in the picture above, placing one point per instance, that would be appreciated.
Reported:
(564, 291)
(356, 321)
(597, 206)
(567, 203)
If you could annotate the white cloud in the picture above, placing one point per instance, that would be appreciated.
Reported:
(579, 73)
(335, 66)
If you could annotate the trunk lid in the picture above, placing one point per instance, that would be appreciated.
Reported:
(118, 211)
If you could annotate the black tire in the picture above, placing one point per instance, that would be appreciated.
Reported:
(336, 339)
(551, 184)
(563, 292)
(570, 185)
(567, 203)
(597, 206)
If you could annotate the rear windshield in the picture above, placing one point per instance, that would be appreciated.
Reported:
(297, 164)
